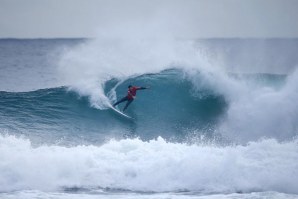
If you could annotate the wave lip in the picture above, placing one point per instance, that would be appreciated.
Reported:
(153, 166)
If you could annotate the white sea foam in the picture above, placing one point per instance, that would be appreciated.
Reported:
(156, 165)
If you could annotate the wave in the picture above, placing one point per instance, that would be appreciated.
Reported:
(250, 103)
(170, 109)
(181, 107)
(153, 166)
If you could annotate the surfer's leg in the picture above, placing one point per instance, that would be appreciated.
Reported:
(120, 101)
(127, 104)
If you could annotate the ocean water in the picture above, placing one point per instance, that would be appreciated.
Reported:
(220, 119)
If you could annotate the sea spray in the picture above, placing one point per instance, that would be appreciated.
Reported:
(88, 67)
(264, 112)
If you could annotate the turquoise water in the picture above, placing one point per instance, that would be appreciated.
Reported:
(168, 109)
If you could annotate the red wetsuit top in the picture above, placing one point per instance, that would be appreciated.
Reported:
(132, 92)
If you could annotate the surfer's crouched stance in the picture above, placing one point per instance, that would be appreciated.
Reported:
(131, 95)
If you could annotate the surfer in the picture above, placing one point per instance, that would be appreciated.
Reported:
(131, 95)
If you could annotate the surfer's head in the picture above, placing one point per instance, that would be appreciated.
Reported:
(129, 86)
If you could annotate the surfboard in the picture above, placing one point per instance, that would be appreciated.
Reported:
(121, 113)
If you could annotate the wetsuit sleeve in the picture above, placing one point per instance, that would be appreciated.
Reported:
(141, 88)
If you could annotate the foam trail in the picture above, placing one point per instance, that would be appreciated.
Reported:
(135, 165)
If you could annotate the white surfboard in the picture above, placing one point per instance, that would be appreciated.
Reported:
(121, 113)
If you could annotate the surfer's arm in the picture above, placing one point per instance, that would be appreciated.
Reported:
(142, 88)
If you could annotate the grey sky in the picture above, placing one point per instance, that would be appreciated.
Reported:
(182, 18)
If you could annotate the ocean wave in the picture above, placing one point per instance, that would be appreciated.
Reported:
(181, 105)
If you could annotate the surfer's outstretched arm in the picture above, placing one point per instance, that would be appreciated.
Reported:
(142, 88)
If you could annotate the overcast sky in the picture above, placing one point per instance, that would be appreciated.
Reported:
(182, 18)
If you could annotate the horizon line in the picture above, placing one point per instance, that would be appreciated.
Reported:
(81, 38)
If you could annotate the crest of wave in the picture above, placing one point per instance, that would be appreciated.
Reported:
(87, 67)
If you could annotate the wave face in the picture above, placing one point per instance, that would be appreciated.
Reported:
(170, 109)
(206, 127)
(174, 108)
